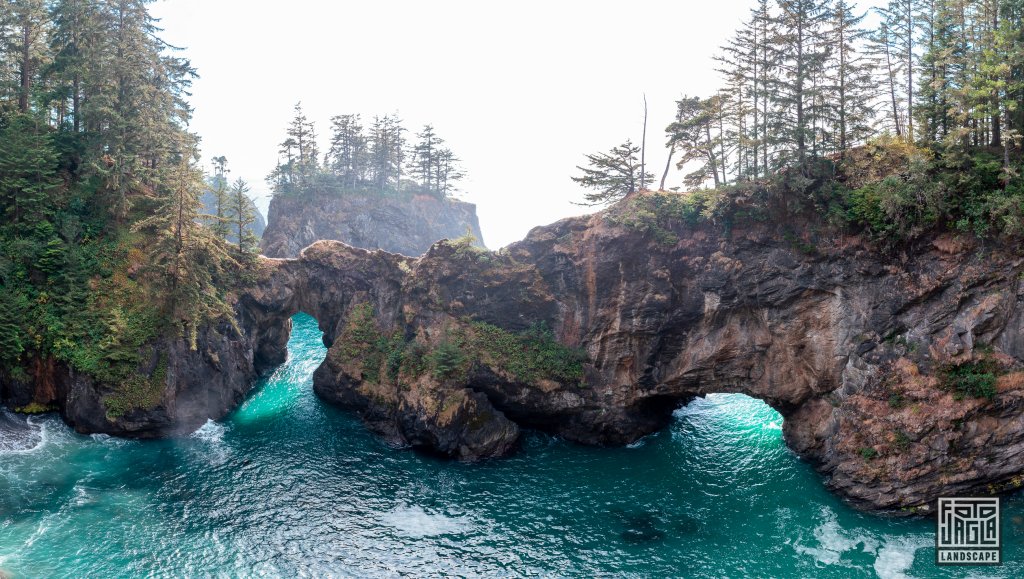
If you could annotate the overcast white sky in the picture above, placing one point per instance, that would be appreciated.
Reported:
(520, 90)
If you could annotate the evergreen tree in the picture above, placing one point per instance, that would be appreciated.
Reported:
(898, 40)
(849, 91)
(243, 216)
(697, 134)
(26, 42)
(187, 257)
(28, 173)
(387, 152)
(219, 221)
(425, 159)
(614, 174)
(801, 57)
(348, 155)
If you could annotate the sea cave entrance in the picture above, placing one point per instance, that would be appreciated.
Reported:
(733, 440)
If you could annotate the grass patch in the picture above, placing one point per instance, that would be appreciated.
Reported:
(35, 408)
(529, 356)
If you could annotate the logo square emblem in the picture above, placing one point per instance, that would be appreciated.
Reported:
(968, 531)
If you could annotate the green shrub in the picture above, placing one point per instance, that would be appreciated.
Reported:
(530, 356)
(447, 361)
(901, 440)
(976, 379)
(868, 453)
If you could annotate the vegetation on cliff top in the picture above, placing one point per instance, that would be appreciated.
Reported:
(101, 247)
(910, 126)
(381, 161)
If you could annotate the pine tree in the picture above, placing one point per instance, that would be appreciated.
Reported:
(697, 135)
(348, 155)
(77, 43)
(187, 258)
(243, 216)
(28, 173)
(425, 158)
(448, 172)
(302, 135)
(800, 56)
(219, 221)
(614, 174)
(25, 44)
(386, 152)
(898, 39)
(849, 89)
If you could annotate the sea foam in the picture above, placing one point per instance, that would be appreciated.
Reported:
(414, 521)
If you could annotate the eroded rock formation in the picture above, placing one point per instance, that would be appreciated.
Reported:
(899, 376)
(406, 224)
(850, 345)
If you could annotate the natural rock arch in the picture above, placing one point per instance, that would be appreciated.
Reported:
(826, 337)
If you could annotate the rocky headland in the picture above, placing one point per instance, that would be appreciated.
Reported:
(898, 373)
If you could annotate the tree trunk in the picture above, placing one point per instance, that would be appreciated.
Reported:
(668, 165)
(26, 64)
(643, 150)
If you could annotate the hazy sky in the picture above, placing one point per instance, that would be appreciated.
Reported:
(520, 90)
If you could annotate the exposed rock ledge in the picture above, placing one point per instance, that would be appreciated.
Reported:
(847, 344)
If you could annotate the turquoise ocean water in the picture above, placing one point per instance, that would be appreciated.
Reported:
(290, 487)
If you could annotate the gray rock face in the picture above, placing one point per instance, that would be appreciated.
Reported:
(396, 223)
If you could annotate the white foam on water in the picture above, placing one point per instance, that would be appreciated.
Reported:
(415, 522)
(13, 442)
(636, 444)
(833, 541)
(212, 432)
(82, 496)
(897, 556)
(773, 425)
(211, 437)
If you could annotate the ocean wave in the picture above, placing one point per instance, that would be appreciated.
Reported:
(833, 541)
(20, 435)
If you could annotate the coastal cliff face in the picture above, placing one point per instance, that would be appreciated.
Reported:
(899, 376)
(399, 224)
(860, 352)
(176, 389)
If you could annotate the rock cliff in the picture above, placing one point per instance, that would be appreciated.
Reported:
(403, 224)
(899, 376)
(862, 352)
(175, 391)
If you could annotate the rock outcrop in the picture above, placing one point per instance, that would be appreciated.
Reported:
(406, 224)
(855, 348)
(175, 391)
(899, 376)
